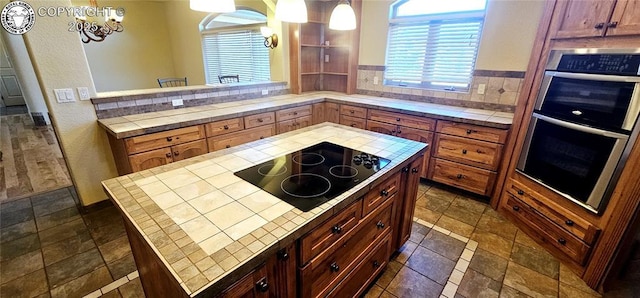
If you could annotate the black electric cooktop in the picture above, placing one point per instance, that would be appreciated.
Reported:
(314, 175)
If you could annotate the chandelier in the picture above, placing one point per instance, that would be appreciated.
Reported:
(91, 30)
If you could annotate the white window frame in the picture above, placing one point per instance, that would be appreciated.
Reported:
(424, 20)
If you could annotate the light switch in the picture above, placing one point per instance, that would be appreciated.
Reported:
(375, 80)
(84, 93)
(70, 96)
(481, 88)
(177, 102)
(326, 58)
(64, 95)
(265, 92)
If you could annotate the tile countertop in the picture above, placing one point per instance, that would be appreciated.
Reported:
(133, 125)
(210, 227)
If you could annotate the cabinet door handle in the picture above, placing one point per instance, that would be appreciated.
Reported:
(405, 170)
(282, 255)
(176, 153)
(516, 208)
(384, 192)
(380, 225)
(464, 151)
(376, 264)
(414, 170)
(261, 137)
(562, 241)
(262, 286)
(599, 26)
(399, 131)
(169, 139)
(168, 155)
(569, 222)
(336, 230)
(612, 25)
(334, 267)
(397, 119)
(520, 192)
(295, 113)
(228, 146)
(352, 111)
(226, 127)
(260, 120)
(353, 125)
(479, 151)
(460, 176)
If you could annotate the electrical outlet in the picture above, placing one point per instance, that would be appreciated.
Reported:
(265, 92)
(177, 102)
(84, 93)
(326, 58)
(375, 80)
(481, 88)
(64, 95)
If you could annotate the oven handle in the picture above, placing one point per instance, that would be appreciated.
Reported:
(593, 77)
(587, 129)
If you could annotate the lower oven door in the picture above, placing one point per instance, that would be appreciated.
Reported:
(579, 162)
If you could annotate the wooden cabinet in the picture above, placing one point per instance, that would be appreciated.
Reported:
(321, 58)
(353, 116)
(378, 195)
(281, 272)
(241, 137)
(223, 127)
(261, 119)
(410, 127)
(294, 118)
(591, 18)
(151, 150)
(326, 112)
(466, 156)
(409, 181)
(253, 285)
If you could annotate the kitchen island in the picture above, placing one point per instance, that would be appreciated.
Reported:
(198, 230)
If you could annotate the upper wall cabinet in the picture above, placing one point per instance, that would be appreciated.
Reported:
(322, 58)
(593, 18)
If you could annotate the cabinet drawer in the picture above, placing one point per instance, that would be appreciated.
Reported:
(164, 139)
(353, 121)
(259, 119)
(546, 230)
(224, 127)
(329, 232)
(489, 134)
(293, 124)
(380, 194)
(188, 150)
(150, 159)
(288, 114)
(241, 137)
(332, 265)
(385, 128)
(579, 227)
(365, 272)
(403, 119)
(472, 152)
(353, 111)
(469, 178)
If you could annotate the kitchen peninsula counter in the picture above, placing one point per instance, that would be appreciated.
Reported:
(207, 228)
(139, 124)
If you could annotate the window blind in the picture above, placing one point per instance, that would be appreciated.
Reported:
(236, 53)
(437, 54)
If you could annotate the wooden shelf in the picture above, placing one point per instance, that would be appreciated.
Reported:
(336, 73)
(309, 73)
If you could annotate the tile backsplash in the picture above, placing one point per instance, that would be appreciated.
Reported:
(502, 89)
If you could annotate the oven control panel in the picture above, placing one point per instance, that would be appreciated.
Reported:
(612, 64)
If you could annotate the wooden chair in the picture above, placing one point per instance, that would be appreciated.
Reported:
(229, 79)
(172, 82)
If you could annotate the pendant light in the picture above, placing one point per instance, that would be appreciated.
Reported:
(343, 17)
(220, 6)
(292, 11)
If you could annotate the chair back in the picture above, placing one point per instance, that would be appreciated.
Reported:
(229, 79)
(172, 82)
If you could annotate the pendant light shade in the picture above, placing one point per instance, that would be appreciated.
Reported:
(292, 11)
(221, 6)
(343, 17)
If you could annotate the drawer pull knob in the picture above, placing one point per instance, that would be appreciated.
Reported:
(228, 146)
(399, 131)
(226, 127)
(468, 131)
(599, 26)
(380, 225)
(283, 255)
(569, 222)
(397, 119)
(376, 264)
(260, 120)
(336, 230)
(384, 192)
(334, 267)
(169, 139)
(612, 25)
(414, 170)
(516, 208)
(393, 131)
(353, 125)
(520, 192)
(261, 137)
(464, 151)
(562, 241)
(479, 151)
(176, 153)
(295, 113)
(405, 170)
(460, 176)
(352, 111)
(168, 155)
(262, 286)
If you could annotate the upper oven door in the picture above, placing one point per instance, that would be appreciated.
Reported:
(602, 101)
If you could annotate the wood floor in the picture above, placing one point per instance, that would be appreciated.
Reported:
(31, 159)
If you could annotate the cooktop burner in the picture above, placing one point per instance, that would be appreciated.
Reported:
(314, 175)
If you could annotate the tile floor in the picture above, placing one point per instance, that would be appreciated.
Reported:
(459, 248)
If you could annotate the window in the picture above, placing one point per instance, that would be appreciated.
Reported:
(233, 45)
(433, 44)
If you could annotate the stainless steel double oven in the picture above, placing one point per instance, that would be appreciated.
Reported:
(584, 123)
